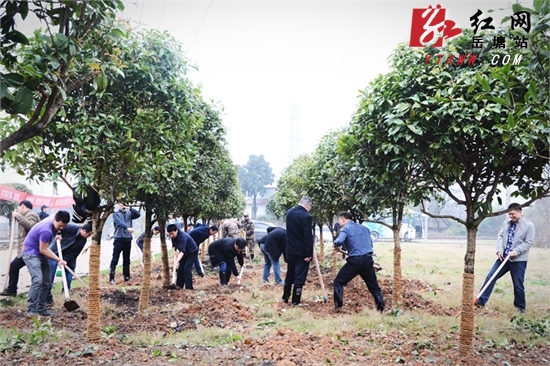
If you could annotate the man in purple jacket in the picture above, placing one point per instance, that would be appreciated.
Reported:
(36, 253)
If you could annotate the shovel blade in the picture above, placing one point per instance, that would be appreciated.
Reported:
(71, 305)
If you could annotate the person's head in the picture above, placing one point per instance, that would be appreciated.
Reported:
(190, 227)
(306, 203)
(156, 230)
(246, 216)
(60, 220)
(44, 208)
(240, 244)
(86, 230)
(516, 212)
(213, 229)
(24, 206)
(344, 217)
(172, 230)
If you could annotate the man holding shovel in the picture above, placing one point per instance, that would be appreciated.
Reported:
(26, 218)
(187, 252)
(359, 262)
(36, 253)
(73, 240)
(513, 243)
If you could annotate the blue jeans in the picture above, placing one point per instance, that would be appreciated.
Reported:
(53, 270)
(269, 261)
(517, 271)
(39, 269)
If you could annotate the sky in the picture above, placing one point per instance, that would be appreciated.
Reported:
(286, 72)
(289, 72)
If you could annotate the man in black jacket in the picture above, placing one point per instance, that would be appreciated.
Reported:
(188, 251)
(299, 249)
(222, 254)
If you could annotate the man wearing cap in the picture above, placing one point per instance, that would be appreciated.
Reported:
(26, 218)
(248, 227)
(43, 212)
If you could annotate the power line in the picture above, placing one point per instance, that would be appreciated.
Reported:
(162, 14)
(200, 25)
(141, 13)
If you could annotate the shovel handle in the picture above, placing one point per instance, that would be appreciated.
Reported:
(240, 275)
(12, 236)
(63, 275)
(319, 274)
(76, 276)
(492, 278)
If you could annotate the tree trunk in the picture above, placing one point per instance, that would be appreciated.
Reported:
(93, 333)
(146, 285)
(466, 340)
(397, 276)
(254, 208)
(164, 254)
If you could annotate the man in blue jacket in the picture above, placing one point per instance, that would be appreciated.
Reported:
(357, 240)
(123, 240)
(199, 234)
(187, 252)
(299, 249)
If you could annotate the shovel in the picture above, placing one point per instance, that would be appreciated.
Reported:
(77, 277)
(325, 298)
(69, 304)
(491, 279)
(240, 275)
(12, 234)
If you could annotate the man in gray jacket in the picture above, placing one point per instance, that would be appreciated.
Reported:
(514, 240)
(123, 240)
(26, 218)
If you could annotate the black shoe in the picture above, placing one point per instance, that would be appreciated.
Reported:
(50, 304)
(8, 293)
(45, 313)
(127, 279)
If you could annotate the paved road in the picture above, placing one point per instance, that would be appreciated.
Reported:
(81, 263)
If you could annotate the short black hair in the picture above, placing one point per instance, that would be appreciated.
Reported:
(345, 214)
(156, 228)
(87, 227)
(515, 206)
(241, 243)
(171, 228)
(62, 216)
(26, 203)
(214, 228)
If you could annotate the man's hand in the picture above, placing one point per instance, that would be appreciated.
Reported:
(307, 259)
(131, 230)
(513, 254)
(61, 263)
(500, 256)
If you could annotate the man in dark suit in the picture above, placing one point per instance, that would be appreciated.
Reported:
(299, 249)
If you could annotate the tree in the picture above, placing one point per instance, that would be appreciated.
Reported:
(32, 93)
(443, 121)
(253, 177)
(7, 207)
(124, 140)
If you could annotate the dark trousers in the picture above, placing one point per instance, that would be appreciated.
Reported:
(15, 265)
(121, 246)
(185, 274)
(296, 270)
(361, 265)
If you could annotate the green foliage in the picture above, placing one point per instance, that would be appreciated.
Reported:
(7, 207)
(41, 332)
(537, 328)
(38, 73)
(253, 177)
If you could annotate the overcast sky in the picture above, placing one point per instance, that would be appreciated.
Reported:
(288, 72)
